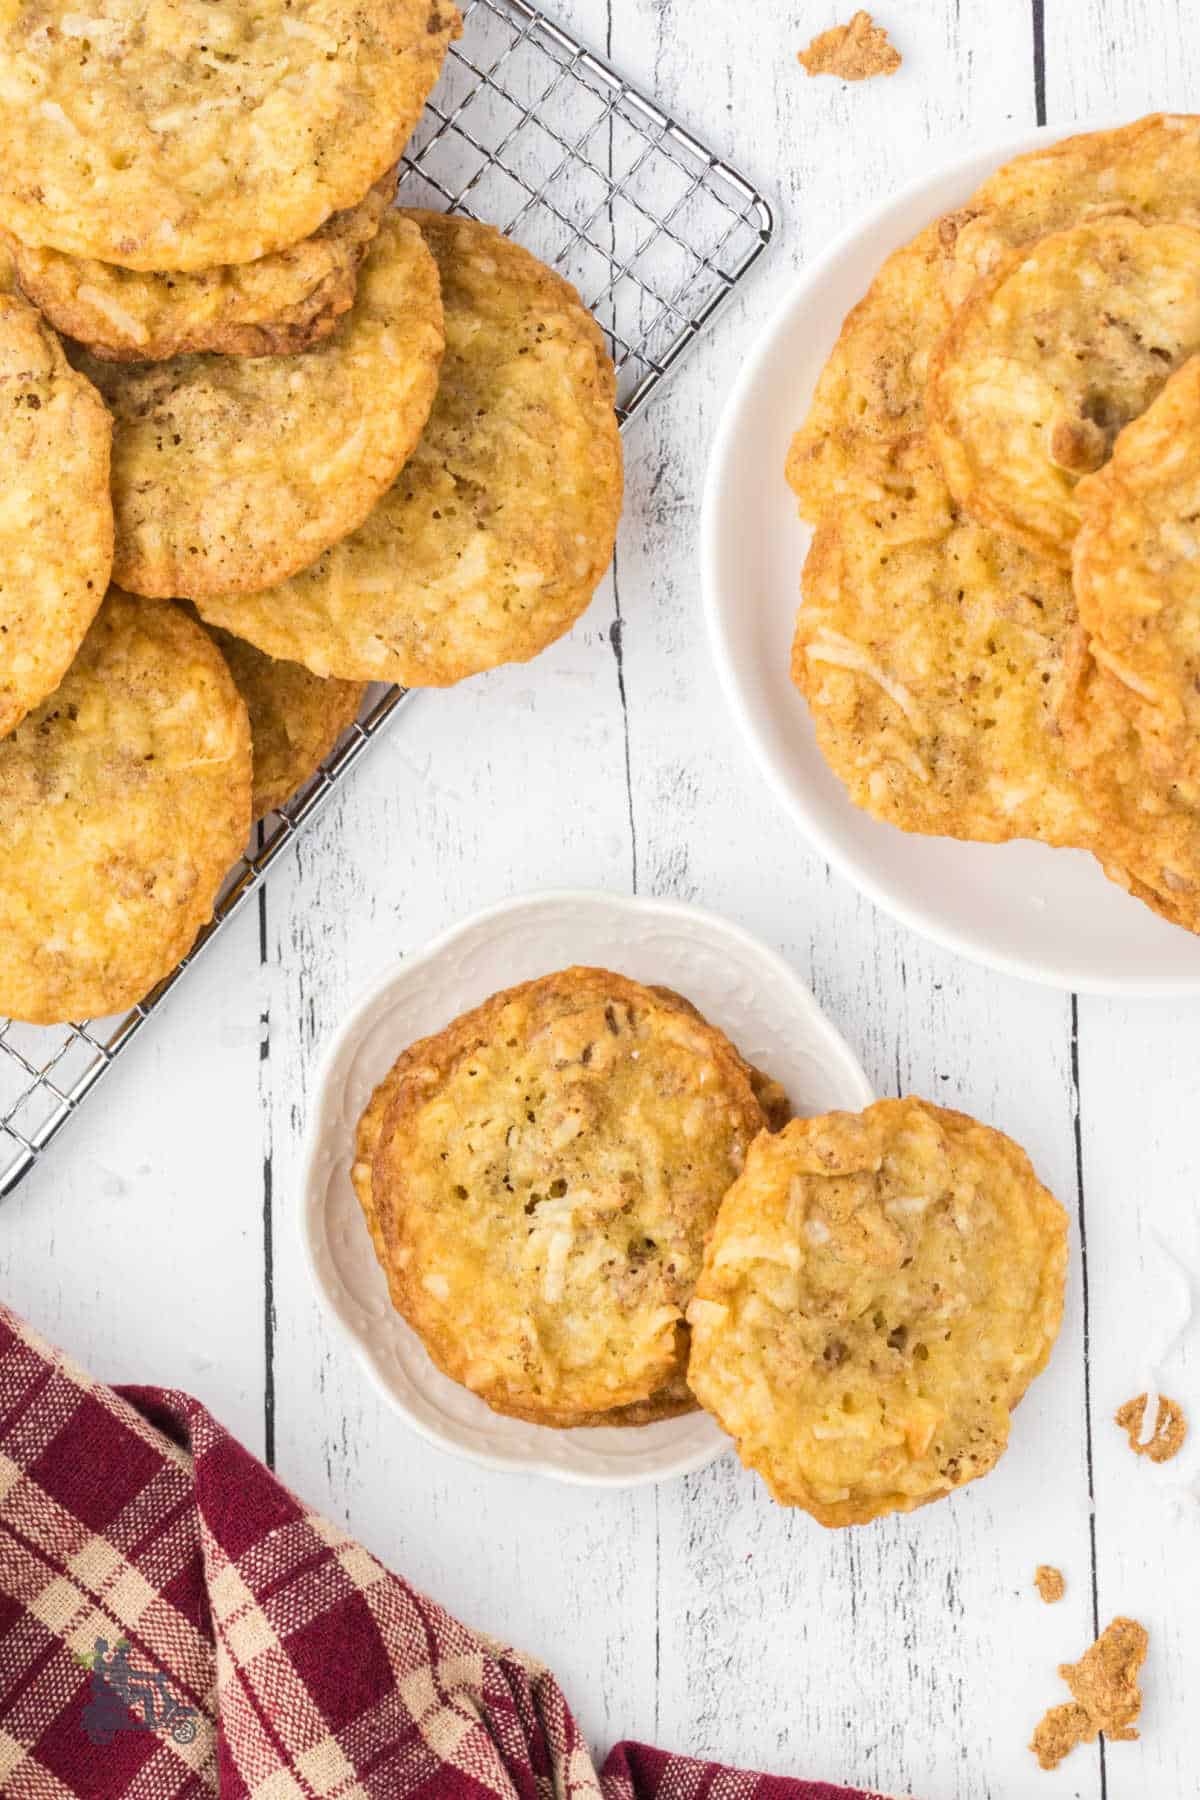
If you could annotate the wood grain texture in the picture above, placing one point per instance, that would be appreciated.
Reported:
(160, 1238)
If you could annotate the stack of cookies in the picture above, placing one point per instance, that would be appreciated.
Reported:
(594, 1212)
(362, 444)
(1000, 628)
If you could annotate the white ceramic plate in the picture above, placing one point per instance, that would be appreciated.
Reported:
(1049, 915)
(736, 982)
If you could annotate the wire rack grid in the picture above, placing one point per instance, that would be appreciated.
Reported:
(532, 132)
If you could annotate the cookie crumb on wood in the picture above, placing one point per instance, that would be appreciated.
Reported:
(1105, 1695)
(852, 52)
(1049, 1583)
(1170, 1428)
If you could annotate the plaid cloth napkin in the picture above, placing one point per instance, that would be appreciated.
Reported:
(174, 1623)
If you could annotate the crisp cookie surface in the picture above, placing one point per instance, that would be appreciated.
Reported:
(541, 1183)
(930, 652)
(1149, 828)
(56, 524)
(124, 800)
(1045, 362)
(295, 718)
(231, 472)
(1149, 170)
(492, 542)
(278, 305)
(1137, 571)
(878, 1292)
(870, 397)
(174, 134)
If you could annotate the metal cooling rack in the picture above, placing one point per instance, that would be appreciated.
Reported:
(533, 133)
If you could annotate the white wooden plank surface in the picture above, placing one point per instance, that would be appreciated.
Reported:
(158, 1241)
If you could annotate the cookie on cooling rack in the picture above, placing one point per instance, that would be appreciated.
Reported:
(295, 718)
(1135, 573)
(56, 525)
(878, 1292)
(230, 472)
(1045, 362)
(124, 800)
(538, 1180)
(278, 305)
(930, 652)
(185, 136)
(491, 543)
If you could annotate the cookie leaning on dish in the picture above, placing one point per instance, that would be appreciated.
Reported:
(56, 525)
(930, 652)
(494, 537)
(878, 1292)
(175, 134)
(276, 306)
(231, 472)
(1048, 359)
(538, 1180)
(124, 799)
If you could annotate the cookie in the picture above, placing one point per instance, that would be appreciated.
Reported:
(230, 472)
(1149, 827)
(1044, 363)
(493, 540)
(870, 397)
(538, 1179)
(930, 651)
(1135, 572)
(295, 718)
(181, 135)
(276, 306)
(878, 1292)
(56, 523)
(124, 800)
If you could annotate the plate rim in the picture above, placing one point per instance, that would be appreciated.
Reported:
(808, 278)
(307, 1212)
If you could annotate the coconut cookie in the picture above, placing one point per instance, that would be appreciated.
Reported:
(930, 652)
(124, 800)
(538, 1180)
(502, 523)
(1044, 364)
(56, 525)
(275, 306)
(878, 1292)
(175, 134)
(295, 718)
(1137, 571)
(232, 472)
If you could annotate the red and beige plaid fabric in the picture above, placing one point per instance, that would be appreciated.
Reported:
(293, 1663)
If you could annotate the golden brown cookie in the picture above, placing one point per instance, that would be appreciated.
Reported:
(878, 1292)
(1046, 361)
(1149, 828)
(276, 306)
(870, 398)
(56, 524)
(930, 652)
(174, 134)
(295, 718)
(539, 1186)
(1136, 564)
(493, 540)
(124, 800)
(232, 472)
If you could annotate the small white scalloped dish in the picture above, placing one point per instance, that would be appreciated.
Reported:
(739, 985)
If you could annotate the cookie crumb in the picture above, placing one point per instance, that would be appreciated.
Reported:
(852, 52)
(1105, 1695)
(1049, 1583)
(1170, 1428)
